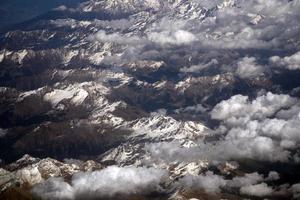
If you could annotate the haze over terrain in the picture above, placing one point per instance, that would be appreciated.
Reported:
(153, 99)
(17, 11)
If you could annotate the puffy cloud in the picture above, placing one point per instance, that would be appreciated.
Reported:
(257, 148)
(249, 184)
(248, 68)
(199, 67)
(240, 107)
(271, 115)
(259, 121)
(160, 35)
(178, 37)
(108, 182)
(296, 190)
(114, 180)
(169, 151)
(54, 189)
(285, 130)
(209, 182)
(246, 180)
(288, 62)
(259, 190)
(262, 129)
(273, 176)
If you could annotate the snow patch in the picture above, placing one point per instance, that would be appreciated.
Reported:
(57, 96)
(19, 56)
(74, 94)
(80, 96)
(69, 56)
(24, 95)
(2, 56)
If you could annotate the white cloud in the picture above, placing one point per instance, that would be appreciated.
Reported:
(259, 190)
(296, 190)
(169, 151)
(199, 67)
(115, 180)
(240, 107)
(257, 148)
(273, 176)
(54, 189)
(209, 182)
(246, 180)
(248, 68)
(251, 129)
(108, 182)
(256, 125)
(249, 184)
(178, 37)
(288, 62)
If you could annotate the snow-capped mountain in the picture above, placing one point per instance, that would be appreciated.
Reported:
(177, 99)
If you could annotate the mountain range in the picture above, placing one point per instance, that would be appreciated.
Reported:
(153, 99)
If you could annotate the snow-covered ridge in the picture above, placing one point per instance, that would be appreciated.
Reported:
(115, 6)
(160, 127)
(31, 171)
(77, 96)
(136, 83)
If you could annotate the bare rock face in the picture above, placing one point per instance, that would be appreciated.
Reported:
(7, 180)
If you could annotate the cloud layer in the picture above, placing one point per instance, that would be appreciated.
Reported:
(106, 183)
(288, 62)
(249, 184)
(262, 129)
